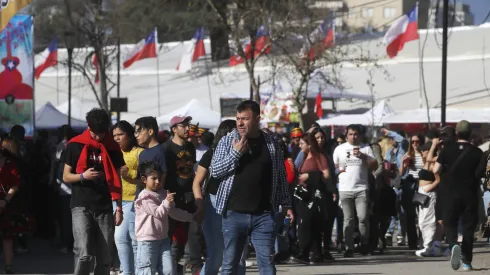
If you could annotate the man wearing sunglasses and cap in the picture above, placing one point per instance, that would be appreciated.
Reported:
(180, 157)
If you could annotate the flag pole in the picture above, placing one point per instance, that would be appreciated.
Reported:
(57, 85)
(421, 62)
(158, 70)
(208, 71)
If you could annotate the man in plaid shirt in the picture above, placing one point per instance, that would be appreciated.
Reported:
(253, 188)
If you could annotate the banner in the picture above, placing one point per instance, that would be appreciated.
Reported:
(8, 8)
(16, 75)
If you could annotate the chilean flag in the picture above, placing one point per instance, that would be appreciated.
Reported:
(146, 48)
(318, 105)
(50, 58)
(403, 30)
(192, 51)
(261, 45)
(321, 38)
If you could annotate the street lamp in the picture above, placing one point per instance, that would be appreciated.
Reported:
(69, 44)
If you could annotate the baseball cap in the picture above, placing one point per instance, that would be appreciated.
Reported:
(179, 119)
(463, 127)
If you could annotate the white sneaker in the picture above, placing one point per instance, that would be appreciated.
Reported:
(249, 263)
(421, 253)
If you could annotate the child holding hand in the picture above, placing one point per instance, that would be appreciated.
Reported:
(152, 207)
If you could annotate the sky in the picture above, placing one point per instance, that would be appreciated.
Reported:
(479, 8)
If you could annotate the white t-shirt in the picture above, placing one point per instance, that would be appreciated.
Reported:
(355, 177)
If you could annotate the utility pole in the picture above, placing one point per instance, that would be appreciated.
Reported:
(445, 22)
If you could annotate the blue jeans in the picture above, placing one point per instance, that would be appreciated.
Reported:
(236, 228)
(154, 256)
(125, 238)
(211, 228)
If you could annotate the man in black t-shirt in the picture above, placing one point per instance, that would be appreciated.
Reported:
(92, 161)
(180, 157)
(458, 165)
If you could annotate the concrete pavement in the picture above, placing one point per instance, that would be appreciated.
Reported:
(44, 258)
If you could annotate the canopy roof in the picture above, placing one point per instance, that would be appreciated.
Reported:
(199, 112)
(375, 116)
(48, 117)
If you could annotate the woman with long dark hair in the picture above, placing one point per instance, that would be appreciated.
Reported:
(205, 189)
(124, 236)
(310, 204)
(412, 163)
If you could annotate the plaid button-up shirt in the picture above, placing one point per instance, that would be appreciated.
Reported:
(225, 161)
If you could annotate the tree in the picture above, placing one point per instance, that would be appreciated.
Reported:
(243, 19)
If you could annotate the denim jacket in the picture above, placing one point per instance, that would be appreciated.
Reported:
(397, 157)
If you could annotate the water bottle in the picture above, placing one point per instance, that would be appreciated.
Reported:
(287, 224)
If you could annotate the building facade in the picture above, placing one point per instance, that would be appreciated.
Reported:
(459, 15)
(356, 16)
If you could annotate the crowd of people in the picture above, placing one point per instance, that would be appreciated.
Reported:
(147, 199)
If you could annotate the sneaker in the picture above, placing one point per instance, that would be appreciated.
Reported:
(349, 253)
(388, 239)
(422, 253)
(400, 240)
(467, 267)
(300, 260)
(456, 257)
(249, 263)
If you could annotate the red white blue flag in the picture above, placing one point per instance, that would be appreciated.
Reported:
(404, 29)
(262, 45)
(192, 51)
(146, 48)
(49, 58)
(320, 39)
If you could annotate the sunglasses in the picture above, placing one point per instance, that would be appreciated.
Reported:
(415, 141)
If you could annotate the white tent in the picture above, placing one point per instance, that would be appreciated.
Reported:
(452, 116)
(199, 112)
(48, 117)
(375, 116)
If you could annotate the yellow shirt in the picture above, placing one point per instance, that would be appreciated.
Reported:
(131, 160)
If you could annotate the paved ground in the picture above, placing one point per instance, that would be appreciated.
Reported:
(43, 258)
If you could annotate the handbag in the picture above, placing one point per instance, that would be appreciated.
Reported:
(420, 199)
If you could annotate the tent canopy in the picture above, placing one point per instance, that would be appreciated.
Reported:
(48, 117)
(452, 116)
(201, 114)
(375, 116)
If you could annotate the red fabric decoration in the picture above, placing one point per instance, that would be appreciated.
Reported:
(113, 180)
(289, 170)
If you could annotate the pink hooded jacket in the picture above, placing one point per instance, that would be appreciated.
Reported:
(152, 211)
